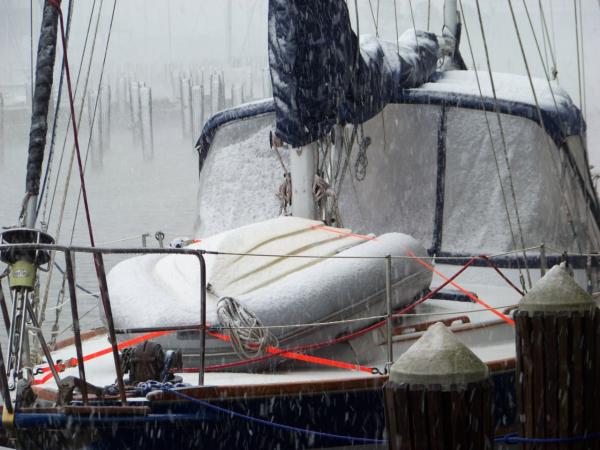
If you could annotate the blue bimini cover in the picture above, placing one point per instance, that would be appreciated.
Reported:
(321, 72)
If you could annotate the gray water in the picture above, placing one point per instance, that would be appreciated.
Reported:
(128, 196)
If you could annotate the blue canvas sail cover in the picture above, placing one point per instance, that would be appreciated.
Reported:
(322, 72)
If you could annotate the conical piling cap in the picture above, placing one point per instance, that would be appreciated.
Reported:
(438, 358)
(557, 291)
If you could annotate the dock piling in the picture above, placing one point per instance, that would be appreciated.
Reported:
(185, 89)
(94, 107)
(146, 125)
(214, 93)
(134, 109)
(558, 362)
(197, 111)
(439, 396)
(222, 104)
(121, 95)
(105, 104)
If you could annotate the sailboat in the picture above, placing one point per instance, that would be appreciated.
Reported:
(384, 188)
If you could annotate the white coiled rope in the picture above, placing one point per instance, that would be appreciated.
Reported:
(248, 338)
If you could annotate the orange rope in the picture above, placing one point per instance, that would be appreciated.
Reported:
(280, 352)
(476, 299)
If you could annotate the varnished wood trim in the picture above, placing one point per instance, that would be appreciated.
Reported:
(247, 391)
(278, 389)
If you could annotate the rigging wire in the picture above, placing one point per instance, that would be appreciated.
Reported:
(503, 137)
(563, 172)
(493, 147)
(246, 40)
(87, 151)
(546, 61)
(43, 197)
(428, 15)
(537, 44)
(60, 301)
(31, 78)
(82, 187)
(74, 122)
(70, 166)
(553, 34)
(583, 83)
(82, 191)
(575, 14)
(535, 97)
(546, 37)
(374, 18)
(56, 4)
(414, 24)
(397, 32)
(43, 193)
(80, 69)
(79, 118)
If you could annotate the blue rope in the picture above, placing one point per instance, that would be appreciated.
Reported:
(511, 439)
(351, 439)
(514, 439)
(28, 420)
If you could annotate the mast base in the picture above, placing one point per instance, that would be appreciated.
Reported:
(25, 236)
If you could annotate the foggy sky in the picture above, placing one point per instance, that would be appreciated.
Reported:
(151, 35)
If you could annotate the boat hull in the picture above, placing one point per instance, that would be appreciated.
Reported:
(353, 408)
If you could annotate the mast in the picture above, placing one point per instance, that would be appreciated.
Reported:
(302, 170)
(44, 73)
(451, 16)
(24, 263)
(321, 77)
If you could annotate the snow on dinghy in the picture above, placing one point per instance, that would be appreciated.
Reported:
(308, 287)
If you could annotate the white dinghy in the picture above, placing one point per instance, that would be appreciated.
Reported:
(285, 272)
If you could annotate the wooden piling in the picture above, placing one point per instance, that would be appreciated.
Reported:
(185, 89)
(146, 125)
(174, 81)
(439, 396)
(121, 95)
(221, 80)
(197, 111)
(214, 93)
(558, 363)
(105, 112)
(94, 108)
(251, 85)
(134, 110)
